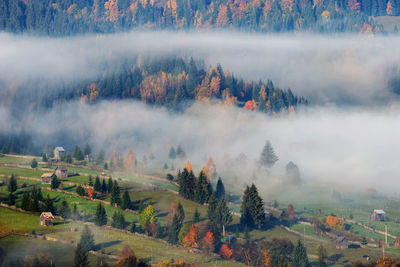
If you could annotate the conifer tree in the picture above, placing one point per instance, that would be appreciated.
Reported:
(64, 210)
(55, 183)
(174, 230)
(300, 258)
(196, 216)
(252, 208)
(223, 215)
(126, 200)
(48, 205)
(104, 187)
(26, 201)
(172, 153)
(212, 207)
(87, 239)
(110, 185)
(97, 184)
(90, 183)
(181, 213)
(220, 189)
(118, 220)
(101, 215)
(115, 195)
(12, 184)
(81, 258)
(268, 157)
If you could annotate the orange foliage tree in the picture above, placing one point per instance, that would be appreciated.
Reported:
(111, 7)
(225, 251)
(90, 191)
(130, 159)
(267, 258)
(389, 8)
(222, 18)
(335, 222)
(385, 262)
(188, 166)
(191, 239)
(250, 105)
(208, 242)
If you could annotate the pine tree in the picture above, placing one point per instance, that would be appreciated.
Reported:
(202, 190)
(48, 205)
(223, 215)
(110, 185)
(212, 207)
(115, 195)
(186, 182)
(220, 190)
(12, 184)
(11, 199)
(196, 216)
(36, 196)
(172, 153)
(181, 213)
(55, 183)
(81, 257)
(300, 258)
(90, 180)
(64, 210)
(321, 253)
(26, 201)
(174, 230)
(104, 187)
(118, 220)
(34, 164)
(75, 212)
(126, 200)
(101, 215)
(87, 239)
(252, 208)
(97, 184)
(268, 157)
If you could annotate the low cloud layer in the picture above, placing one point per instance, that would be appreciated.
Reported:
(356, 147)
(336, 70)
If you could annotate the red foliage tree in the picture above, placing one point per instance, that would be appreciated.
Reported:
(208, 242)
(191, 239)
(225, 251)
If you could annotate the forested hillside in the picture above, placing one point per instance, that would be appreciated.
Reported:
(68, 17)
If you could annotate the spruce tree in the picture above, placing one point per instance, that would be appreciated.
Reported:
(174, 230)
(64, 210)
(26, 201)
(48, 205)
(118, 220)
(196, 216)
(101, 215)
(126, 200)
(115, 195)
(220, 189)
(90, 183)
(172, 153)
(252, 208)
(300, 258)
(268, 157)
(181, 213)
(212, 207)
(55, 183)
(201, 193)
(97, 184)
(12, 184)
(81, 258)
(223, 215)
(87, 239)
(104, 187)
(11, 199)
(110, 185)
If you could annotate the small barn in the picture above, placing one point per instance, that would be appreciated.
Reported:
(47, 177)
(46, 219)
(61, 172)
(378, 215)
(342, 242)
(58, 153)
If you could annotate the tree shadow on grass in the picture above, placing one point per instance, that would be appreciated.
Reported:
(106, 245)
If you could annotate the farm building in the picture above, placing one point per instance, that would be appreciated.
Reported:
(46, 219)
(61, 172)
(378, 215)
(47, 177)
(342, 242)
(58, 153)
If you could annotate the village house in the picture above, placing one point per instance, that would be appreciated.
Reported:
(61, 172)
(378, 215)
(58, 153)
(46, 219)
(47, 177)
(342, 242)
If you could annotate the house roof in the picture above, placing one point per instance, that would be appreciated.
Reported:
(47, 175)
(60, 149)
(61, 168)
(379, 212)
(47, 215)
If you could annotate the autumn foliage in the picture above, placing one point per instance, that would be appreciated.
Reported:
(225, 251)
(188, 166)
(335, 222)
(267, 258)
(385, 262)
(250, 105)
(208, 242)
(191, 239)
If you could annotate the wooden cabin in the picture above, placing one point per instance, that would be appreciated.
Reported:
(47, 177)
(61, 172)
(342, 242)
(46, 219)
(378, 215)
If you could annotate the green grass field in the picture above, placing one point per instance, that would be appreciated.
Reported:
(112, 242)
(14, 160)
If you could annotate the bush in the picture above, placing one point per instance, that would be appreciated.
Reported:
(170, 177)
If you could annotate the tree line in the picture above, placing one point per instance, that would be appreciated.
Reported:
(69, 17)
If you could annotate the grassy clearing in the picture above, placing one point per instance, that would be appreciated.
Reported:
(112, 242)
(20, 247)
(162, 202)
(309, 231)
(15, 221)
(14, 160)
(21, 172)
